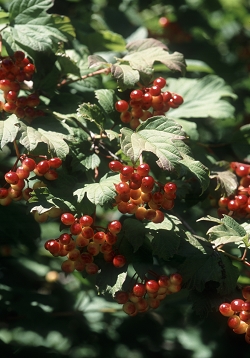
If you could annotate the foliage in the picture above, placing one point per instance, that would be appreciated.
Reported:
(84, 63)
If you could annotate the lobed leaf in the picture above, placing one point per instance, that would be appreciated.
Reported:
(99, 193)
(142, 58)
(134, 231)
(203, 97)
(8, 130)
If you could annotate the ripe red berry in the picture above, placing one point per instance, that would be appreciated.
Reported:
(147, 184)
(121, 106)
(170, 188)
(121, 297)
(91, 268)
(30, 68)
(246, 292)
(122, 188)
(55, 162)
(164, 22)
(160, 81)
(127, 171)
(236, 305)
(136, 94)
(67, 219)
(3, 193)
(28, 164)
(43, 166)
(119, 261)
(177, 99)
(233, 321)
(11, 177)
(226, 309)
(65, 239)
(143, 169)
(139, 289)
(115, 166)
(86, 220)
(114, 227)
(152, 286)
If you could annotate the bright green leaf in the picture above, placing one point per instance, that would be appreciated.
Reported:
(99, 193)
(8, 130)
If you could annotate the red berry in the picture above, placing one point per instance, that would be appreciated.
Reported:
(3, 193)
(30, 68)
(136, 94)
(121, 297)
(119, 261)
(65, 239)
(143, 169)
(130, 308)
(155, 90)
(86, 220)
(87, 232)
(126, 117)
(242, 170)
(147, 184)
(43, 166)
(91, 268)
(121, 106)
(11, 177)
(127, 171)
(122, 188)
(19, 56)
(164, 22)
(115, 166)
(99, 237)
(226, 309)
(246, 292)
(28, 164)
(33, 100)
(177, 99)
(55, 162)
(170, 187)
(139, 289)
(51, 174)
(233, 321)
(152, 286)
(67, 219)
(160, 81)
(236, 305)
(114, 227)
(75, 228)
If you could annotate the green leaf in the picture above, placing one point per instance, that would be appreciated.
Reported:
(63, 24)
(99, 193)
(97, 61)
(106, 99)
(228, 231)
(31, 27)
(68, 66)
(142, 54)
(92, 113)
(164, 237)
(202, 98)
(9, 129)
(197, 270)
(134, 231)
(105, 40)
(126, 76)
(163, 137)
(30, 137)
(227, 181)
(157, 135)
(91, 162)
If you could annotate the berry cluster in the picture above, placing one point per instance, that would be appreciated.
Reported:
(15, 180)
(13, 72)
(147, 102)
(84, 242)
(136, 195)
(239, 203)
(238, 313)
(148, 294)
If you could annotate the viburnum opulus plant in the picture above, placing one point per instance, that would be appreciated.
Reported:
(116, 153)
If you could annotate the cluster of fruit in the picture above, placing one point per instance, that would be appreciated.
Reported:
(13, 72)
(136, 195)
(15, 180)
(238, 313)
(149, 294)
(147, 102)
(239, 203)
(84, 242)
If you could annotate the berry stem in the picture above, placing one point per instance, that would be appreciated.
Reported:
(95, 73)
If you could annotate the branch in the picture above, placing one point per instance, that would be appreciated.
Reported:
(105, 71)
